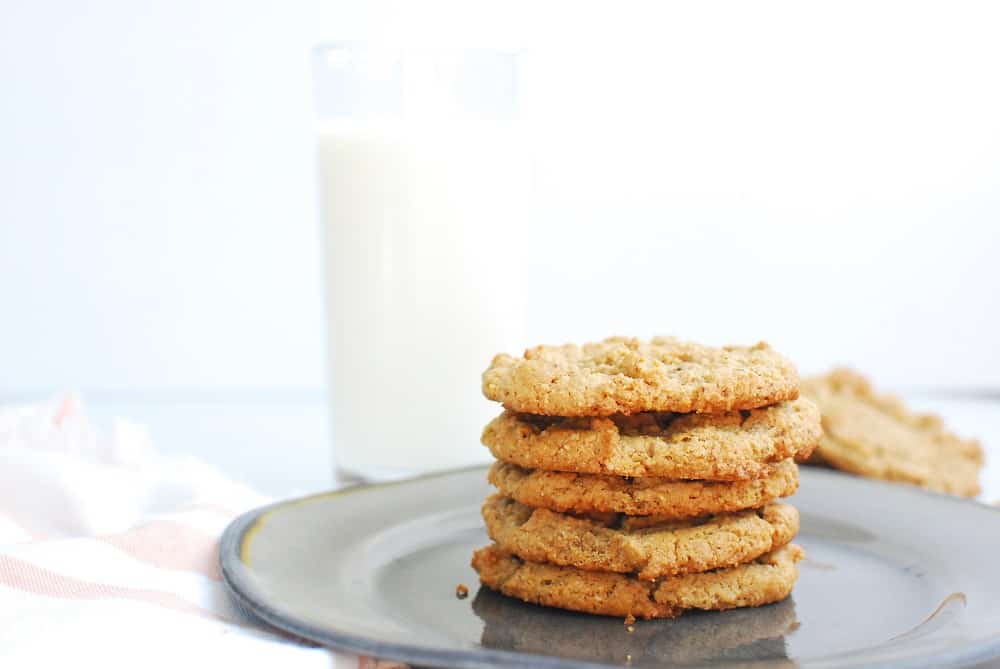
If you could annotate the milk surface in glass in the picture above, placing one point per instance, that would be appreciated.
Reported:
(422, 216)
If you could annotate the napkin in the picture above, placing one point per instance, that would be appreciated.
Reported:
(109, 551)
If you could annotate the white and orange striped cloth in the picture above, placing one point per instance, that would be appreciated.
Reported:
(109, 552)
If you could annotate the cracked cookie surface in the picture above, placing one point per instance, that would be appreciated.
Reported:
(627, 375)
(648, 546)
(769, 578)
(736, 445)
(596, 493)
(875, 435)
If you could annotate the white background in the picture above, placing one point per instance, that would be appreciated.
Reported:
(823, 176)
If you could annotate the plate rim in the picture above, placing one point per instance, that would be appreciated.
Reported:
(239, 584)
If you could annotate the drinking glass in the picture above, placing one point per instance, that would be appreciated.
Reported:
(424, 181)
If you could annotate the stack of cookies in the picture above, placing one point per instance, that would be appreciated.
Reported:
(640, 478)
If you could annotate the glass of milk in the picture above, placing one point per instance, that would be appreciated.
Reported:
(424, 185)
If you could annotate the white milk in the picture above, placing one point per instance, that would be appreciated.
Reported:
(424, 283)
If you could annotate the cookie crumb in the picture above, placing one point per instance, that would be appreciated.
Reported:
(461, 591)
(629, 619)
(630, 628)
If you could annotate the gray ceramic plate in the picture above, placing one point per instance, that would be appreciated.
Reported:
(895, 576)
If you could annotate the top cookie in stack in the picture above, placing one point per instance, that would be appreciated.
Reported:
(626, 376)
(640, 477)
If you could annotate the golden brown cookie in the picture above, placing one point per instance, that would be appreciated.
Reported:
(595, 493)
(736, 445)
(769, 578)
(622, 375)
(877, 436)
(647, 546)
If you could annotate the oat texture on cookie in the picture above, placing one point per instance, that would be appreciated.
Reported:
(626, 376)
(734, 445)
(641, 496)
(767, 579)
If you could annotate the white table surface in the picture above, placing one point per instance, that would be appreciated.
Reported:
(280, 445)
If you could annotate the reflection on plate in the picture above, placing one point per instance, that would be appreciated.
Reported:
(696, 637)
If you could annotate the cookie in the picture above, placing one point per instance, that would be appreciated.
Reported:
(627, 376)
(876, 436)
(736, 445)
(767, 579)
(594, 493)
(647, 546)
